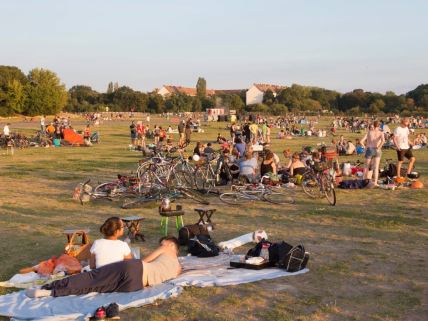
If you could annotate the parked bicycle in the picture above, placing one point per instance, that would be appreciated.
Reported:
(318, 182)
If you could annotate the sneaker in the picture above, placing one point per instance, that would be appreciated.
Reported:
(112, 311)
(100, 313)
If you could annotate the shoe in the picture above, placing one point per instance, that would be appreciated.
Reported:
(100, 313)
(112, 311)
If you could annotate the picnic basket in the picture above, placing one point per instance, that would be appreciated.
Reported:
(78, 244)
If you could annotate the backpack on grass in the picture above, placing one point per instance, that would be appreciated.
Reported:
(202, 246)
(190, 231)
(284, 255)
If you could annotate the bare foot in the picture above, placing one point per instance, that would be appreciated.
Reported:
(37, 293)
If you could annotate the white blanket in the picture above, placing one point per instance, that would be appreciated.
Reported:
(200, 272)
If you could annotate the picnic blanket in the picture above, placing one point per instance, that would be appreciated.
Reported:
(199, 272)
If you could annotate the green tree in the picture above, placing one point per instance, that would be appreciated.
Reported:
(155, 103)
(377, 106)
(201, 88)
(236, 103)
(197, 104)
(45, 93)
(268, 97)
(82, 99)
(419, 96)
(12, 95)
(278, 109)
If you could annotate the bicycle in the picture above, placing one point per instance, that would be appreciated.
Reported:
(241, 194)
(124, 186)
(319, 183)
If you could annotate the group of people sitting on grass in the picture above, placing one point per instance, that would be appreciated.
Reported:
(114, 269)
(240, 153)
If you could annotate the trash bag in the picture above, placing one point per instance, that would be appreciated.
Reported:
(68, 264)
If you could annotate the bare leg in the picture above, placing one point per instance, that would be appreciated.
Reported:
(375, 168)
(37, 293)
(411, 164)
(366, 167)
(399, 163)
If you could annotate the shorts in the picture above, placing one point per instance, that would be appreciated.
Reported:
(373, 152)
(404, 153)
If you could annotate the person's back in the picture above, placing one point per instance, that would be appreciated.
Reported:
(109, 251)
(248, 166)
(161, 269)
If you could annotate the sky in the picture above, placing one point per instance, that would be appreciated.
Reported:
(376, 45)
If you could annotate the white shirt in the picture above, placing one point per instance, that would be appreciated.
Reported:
(6, 130)
(402, 137)
(109, 251)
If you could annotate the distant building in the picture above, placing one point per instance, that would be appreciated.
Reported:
(255, 94)
(167, 90)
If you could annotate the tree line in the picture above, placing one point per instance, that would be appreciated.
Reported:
(41, 92)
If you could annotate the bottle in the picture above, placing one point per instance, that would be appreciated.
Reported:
(264, 253)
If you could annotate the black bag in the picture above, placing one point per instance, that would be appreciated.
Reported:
(291, 258)
(202, 246)
(294, 259)
(190, 231)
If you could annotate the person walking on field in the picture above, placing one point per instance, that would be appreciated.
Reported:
(403, 146)
(373, 142)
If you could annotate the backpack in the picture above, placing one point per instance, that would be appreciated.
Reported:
(284, 255)
(190, 231)
(354, 183)
(202, 246)
(392, 171)
(292, 258)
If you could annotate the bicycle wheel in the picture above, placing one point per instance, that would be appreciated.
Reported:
(310, 184)
(184, 179)
(234, 198)
(328, 190)
(151, 196)
(193, 195)
(200, 177)
(278, 198)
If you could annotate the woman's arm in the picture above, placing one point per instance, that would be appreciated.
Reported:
(179, 270)
(92, 261)
(363, 140)
(274, 168)
(128, 257)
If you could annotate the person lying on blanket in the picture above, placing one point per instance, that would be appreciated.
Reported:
(110, 249)
(123, 276)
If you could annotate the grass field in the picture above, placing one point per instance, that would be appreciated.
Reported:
(368, 253)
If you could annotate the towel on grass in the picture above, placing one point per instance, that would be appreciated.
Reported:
(200, 272)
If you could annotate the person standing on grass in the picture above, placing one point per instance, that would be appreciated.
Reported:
(181, 127)
(133, 130)
(373, 142)
(188, 132)
(403, 146)
(42, 124)
(141, 134)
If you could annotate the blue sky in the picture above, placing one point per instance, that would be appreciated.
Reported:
(376, 45)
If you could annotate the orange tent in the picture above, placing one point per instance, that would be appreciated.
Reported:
(72, 137)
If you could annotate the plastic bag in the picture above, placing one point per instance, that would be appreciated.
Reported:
(46, 267)
(68, 264)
